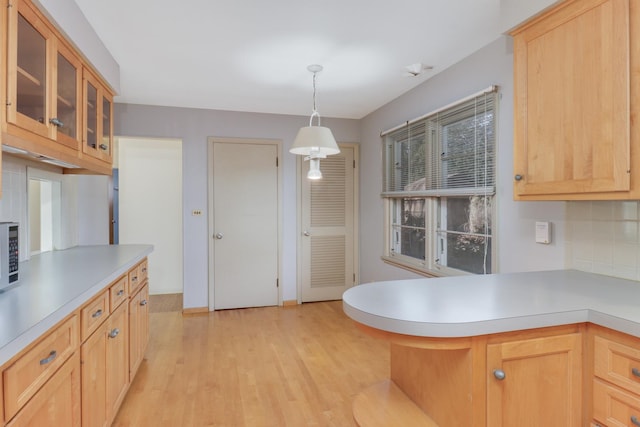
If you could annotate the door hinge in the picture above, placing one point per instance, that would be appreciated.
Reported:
(277, 283)
(276, 161)
(354, 277)
(354, 164)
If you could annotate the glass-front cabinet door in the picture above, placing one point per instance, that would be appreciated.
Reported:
(91, 115)
(66, 117)
(28, 89)
(107, 128)
(44, 79)
(98, 113)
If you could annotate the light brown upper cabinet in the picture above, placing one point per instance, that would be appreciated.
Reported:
(98, 111)
(51, 111)
(576, 89)
(44, 79)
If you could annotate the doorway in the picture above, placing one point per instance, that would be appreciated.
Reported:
(150, 206)
(328, 257)
(244, 223)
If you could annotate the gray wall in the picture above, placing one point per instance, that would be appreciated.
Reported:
(517, 250)
(193, 126)
(70, 20)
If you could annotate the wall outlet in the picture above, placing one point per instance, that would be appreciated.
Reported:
(543, 232)
(196, 212)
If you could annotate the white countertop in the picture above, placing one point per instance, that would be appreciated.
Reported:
(54, 284)
(466, 306)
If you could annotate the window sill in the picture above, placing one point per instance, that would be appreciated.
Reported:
(412, 268)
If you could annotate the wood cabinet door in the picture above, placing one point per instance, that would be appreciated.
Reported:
(57, 403)
(134, 334)
(542, 382)
(30, 43)
(138, 328)
(117, 362)
(572, 101)
(67, 87)
(94, 379)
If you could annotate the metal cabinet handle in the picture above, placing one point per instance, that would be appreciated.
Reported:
(56, 122)
(635, 421)
(635, 372)
(518, 177)
(499, 374)
(306, 233)
(143, 302)
(219, 236)
(144, 270)
(97, 314)
(104, 147)
(121, 292)
(134, 279)
(49, 358)
(114, 333)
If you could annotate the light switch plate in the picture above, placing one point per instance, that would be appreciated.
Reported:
(543, 232)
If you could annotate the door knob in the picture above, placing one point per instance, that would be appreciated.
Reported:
(306, 233)
(219, 236)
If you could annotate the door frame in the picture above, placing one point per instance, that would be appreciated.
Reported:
(356, 216)
(211, 220)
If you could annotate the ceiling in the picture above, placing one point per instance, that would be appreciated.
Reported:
(252, 55)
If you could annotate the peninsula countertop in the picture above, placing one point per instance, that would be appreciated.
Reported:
(54, 284)
(464, 306)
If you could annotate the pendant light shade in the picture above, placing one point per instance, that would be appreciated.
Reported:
(314, 142)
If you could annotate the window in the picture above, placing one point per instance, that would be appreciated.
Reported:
(439, 188)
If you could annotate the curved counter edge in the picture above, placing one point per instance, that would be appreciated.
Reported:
(456, 308)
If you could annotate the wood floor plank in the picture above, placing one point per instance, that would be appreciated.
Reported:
(272, 366)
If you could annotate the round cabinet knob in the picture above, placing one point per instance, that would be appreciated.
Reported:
(499, 374)
(219, 236)
(518, 177)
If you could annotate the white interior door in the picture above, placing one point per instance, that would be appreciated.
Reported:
(150, 209)
(245, 224)
(328, 215)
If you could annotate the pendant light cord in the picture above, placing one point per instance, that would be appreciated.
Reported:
(314, 113)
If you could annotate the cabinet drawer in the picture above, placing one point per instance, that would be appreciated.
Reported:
(615, 407)
(94, 313)
(137, 275)
(27, 374)
(143, 270)
(617, 363)
(57, 403)
(118, 292)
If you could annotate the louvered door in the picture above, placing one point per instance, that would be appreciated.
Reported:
(328, 228)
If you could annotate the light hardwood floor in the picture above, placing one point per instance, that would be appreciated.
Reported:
(298, 366)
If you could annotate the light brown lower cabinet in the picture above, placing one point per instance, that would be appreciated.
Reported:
(138, 328)
(79, 371)
(535, 382)
(57, 403)
(105, 369)
(520, 378)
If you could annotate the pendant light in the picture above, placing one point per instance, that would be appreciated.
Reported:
(314, 142)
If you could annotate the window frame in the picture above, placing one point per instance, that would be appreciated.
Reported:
(392, 200)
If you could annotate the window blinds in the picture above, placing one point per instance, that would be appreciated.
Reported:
(446, 153)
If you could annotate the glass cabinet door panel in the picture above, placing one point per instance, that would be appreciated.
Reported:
(92, 116)
(31, 73)
(66, 98)
(106, 126)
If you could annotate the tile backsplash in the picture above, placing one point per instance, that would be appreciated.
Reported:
(13, 205)
(604, 237)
